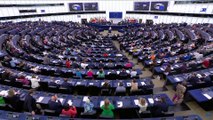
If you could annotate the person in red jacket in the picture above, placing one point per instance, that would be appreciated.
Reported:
(105, 55)
(70, 111)
(206, 63)
(68, 63)
(128, 65)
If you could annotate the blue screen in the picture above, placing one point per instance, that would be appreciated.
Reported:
(115, 14)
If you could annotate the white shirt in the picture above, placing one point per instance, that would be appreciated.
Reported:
(133, 73)
(142, 107)
(34, 82)
(84, 65)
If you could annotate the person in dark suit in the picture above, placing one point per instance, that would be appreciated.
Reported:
(13, 100)
(55, 104)
(66, 85)
(30, 103)
(159, 107)
(193, 80)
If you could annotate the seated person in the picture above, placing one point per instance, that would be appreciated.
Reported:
(88, 108)
(206, 79)
(35, 82)
(123, 73)
(68, 63)
(90, 73)
(128, 65)
(68, 110)
(30, 103)
(75, 65)
(23, 80)
(206, 63)
(142, 103)
(84, 65)
(101, 65)
(65, 84)
(159, 107)
(133, 73)
(110, 64)
(101, 74)
(120, 88)
(55, 104)
(13, 100)
(6, 74)
(193, 79)
(134, 86)
(107, 109)
(78, 73)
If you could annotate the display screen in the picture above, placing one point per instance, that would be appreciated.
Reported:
(91, 6)
(76, 6)
(141, 5)
(115, 14)
(159, 6)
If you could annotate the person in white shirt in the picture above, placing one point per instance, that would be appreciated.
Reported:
(34, 82)
(133, 73)
(84, 65)
(142, 103)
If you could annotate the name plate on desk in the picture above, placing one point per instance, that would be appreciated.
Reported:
(39, 99)
(78, 83)
(61, 100)
(119, 104)
(70, 102)
(128, 84)
(177, 79)
(143, 83)
(85, 98)
(207, 96)
(136, 102)
(151, 100)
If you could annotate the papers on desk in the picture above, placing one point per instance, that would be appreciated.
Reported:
(39, 99)
(69, 102)
(28, 77)
(199, 75)
(127, 71)
(91, 83)
(102, 83)
(158, 61)
(136, 102)
(101, 103)
(119, 104)
(4, 93)
(61, 100)
(118, 72)
(108, 72)
(128, 84)
(162, 69)
(78, 83)
(85, 98)
(207, 96)
(151, 101)
(143, 83)
(177, 79)
(176, 65)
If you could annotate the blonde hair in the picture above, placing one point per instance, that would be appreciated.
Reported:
(11, 92)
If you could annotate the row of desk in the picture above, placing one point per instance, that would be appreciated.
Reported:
(174, 79)
(127, 102)
(5, 115)
(204, 97)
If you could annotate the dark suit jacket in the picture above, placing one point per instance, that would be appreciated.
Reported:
(57, 106)
(29, 103)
